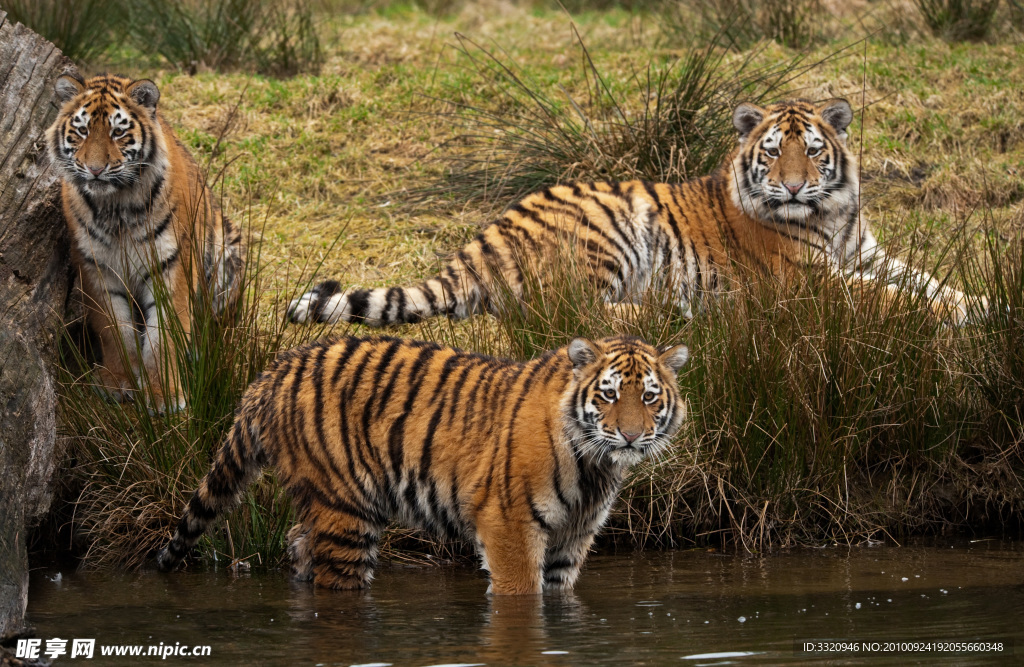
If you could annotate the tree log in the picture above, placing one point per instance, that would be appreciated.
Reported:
(35, 286)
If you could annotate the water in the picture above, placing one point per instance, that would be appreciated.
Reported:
(684, 608)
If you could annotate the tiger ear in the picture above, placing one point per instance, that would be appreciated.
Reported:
(68, 86)
(675, 357)
(746, 117)
(838, 113)
(144, 93)
(582, 352)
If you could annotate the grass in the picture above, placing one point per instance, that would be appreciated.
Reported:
(273, 37)
(902, 427)
(276, 37)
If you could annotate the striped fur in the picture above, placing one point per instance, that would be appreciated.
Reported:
(139, 212)
(522, 459)
(787, 195)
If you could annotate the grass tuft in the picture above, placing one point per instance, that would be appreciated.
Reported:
(276, 37)
(958, 20)
(742, 24)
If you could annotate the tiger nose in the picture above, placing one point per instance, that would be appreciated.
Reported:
(630, 437)
(96, 171)
(794, 187)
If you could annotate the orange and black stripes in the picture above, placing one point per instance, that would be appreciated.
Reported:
(462, 445)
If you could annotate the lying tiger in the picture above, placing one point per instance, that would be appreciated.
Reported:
(522, 459)
(147, 233)
(788, 193)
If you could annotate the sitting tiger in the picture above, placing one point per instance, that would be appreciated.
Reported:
(522, 459)
(145, 228)
(789, 192)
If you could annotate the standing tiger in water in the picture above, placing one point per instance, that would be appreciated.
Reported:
(139, 212)
(522, 459)
(788, 193)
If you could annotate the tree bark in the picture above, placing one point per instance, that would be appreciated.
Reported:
(35, 284)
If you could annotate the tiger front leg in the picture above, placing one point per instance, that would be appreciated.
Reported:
(300, 551)
(166, 326)
(957, 308)
(563, 561)
(109, 315)
(946, 304)
(513, 551)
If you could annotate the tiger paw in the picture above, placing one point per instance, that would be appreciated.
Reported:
(963, 310)
(110, 387)
(158, 404)
(160, 398)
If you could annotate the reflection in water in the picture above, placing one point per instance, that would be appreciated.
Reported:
(512, 630)
(698, 607)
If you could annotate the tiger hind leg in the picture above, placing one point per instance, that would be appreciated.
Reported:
(300, 552)
(343, 551)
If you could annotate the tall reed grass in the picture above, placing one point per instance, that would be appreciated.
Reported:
(81, 29)
(274, 37)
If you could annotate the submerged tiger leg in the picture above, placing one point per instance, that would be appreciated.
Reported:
(513, 551)
(563, 561)
(300, 552)
(343, 548)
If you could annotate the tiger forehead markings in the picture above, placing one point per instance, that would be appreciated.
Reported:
(787, 195)
(523, 460)
(142, 222)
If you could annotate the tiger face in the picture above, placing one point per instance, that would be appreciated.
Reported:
(626, 402)
(104, 134)
(793, 164)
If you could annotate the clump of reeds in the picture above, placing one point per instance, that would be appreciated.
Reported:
(1016, 13)
(958, 20)
(277, 37)
(520, 137)
(825, 411)
(993, 356)
(741, 24)
(81, 29)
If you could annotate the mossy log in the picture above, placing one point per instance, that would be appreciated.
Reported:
(35, 285)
